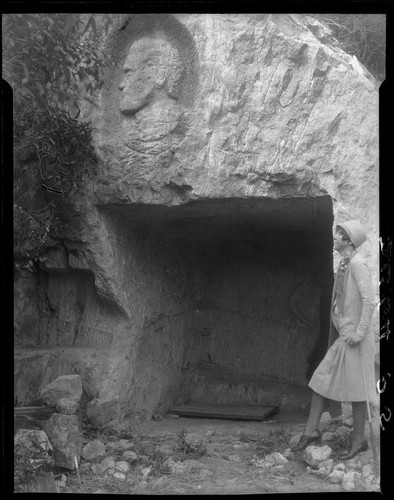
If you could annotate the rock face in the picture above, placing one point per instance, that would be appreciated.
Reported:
(229, 147)
(101, 411)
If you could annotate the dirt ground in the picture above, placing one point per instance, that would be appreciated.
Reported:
(224, 460)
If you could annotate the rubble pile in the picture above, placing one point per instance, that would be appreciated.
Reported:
(356, 473)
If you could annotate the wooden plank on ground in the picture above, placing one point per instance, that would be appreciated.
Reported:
(33, 410)
(225, 411)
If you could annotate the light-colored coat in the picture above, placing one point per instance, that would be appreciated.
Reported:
(340, 376)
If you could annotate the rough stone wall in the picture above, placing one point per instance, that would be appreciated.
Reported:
(250, 107)
(261, 309)
(274, 111)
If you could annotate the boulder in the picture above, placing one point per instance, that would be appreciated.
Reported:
(33, 446)
(325, 421)
(366, 457)
(336, 476)
(65, 436)
(295, 439)
(62, 481)
(327, 437)
(99, 469)
(122, 466)
(314, 455)
(348, 485)
(43, 482)
(342, 432)
(326, 466)
(66, 406)
(121, 445)
(94, 449)
(125, 444)
(351, 476)
(102, 411)
(108, 463)
(276, 458)
(119, 475)
(146, 472)
(130, 456)
(349, 480)
(347, 422)
(65, 386)
(368, 471)
(32, 440)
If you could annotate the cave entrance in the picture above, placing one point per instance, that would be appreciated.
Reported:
(256, 278)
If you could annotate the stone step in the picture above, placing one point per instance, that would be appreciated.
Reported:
(204, 387)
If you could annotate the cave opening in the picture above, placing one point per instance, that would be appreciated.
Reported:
(232, 297)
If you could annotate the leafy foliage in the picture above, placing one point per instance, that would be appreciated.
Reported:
(52, 63)
(361, 35)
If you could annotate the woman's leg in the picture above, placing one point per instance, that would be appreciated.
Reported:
(311, 432)
(359, 443)
(359, 416)
(315, 413)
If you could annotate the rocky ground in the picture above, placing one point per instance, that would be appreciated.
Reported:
(205, 456)
(72, 452)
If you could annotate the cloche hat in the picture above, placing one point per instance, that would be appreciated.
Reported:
(356, 232)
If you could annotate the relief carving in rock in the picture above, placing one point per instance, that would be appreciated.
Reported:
(153, 121)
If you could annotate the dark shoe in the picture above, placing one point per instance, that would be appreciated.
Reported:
(354, 451)
(306, 441)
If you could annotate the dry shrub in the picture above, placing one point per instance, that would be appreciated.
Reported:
(275, 440)
(187, 449)
(361, 35)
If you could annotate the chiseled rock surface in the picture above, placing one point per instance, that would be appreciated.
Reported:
(274, 111)
(65, 386)
(64, 434)
(246, 106)
(266, 107)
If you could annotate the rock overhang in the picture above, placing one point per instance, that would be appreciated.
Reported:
(228, 218)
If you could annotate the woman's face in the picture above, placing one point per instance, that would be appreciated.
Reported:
(339, 243)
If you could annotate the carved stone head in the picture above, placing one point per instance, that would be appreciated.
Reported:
(153, 66)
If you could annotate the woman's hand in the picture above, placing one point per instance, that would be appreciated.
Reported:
(352, 340)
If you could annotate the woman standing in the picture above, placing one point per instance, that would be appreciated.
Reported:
(340, 376)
